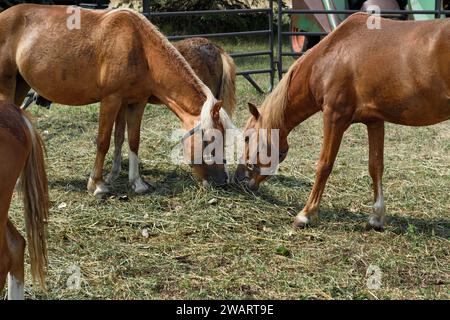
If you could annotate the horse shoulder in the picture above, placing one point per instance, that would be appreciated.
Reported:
(121, 39)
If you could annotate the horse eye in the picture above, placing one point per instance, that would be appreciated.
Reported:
(247, 139)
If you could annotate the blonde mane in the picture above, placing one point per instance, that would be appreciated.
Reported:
(177, 61)
(274, 106)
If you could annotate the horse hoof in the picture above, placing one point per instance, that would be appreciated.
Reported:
(91, 186)
(376, 223)
(99, 189)
(140, 186)
(301, 221)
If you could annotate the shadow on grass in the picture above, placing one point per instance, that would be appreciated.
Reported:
(399, 225)
(437, 227)
(72, 184)
(175, 182)
(163, 182)
(290, 181)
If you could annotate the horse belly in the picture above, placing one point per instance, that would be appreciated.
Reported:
(75, 92)
(59, 72)
(417, 111)
(62, 84)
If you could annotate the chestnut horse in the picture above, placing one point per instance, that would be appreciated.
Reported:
(22, 156)
(117, 58)
(209, 61)
(212, 65)
(399, 74)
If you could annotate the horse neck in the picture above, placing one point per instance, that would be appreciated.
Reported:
(176, 85)
(301, 108)
(299, 105)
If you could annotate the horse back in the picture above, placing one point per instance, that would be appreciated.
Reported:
(398, 72)
(205, 59)
(74, 64)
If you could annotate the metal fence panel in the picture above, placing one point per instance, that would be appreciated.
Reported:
(247, 74)
(439, 12)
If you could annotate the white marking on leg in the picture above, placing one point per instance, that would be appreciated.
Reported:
(15, 288)
(301, 219)
(116, 168)
(138, 185)
(227, 172)
(97, 188)
(305, 219)
(378, 218)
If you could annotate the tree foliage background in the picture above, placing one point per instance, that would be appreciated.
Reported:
(186, 25)
(209, 23)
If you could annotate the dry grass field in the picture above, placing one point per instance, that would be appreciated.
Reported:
(175, 243)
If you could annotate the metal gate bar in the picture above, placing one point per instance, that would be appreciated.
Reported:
(438, 12)
(269, 32)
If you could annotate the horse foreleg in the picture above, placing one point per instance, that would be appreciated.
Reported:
(109, 109)
(119, 138)
(134, 119)
(376, 166)
(335, 124)
(16, 278)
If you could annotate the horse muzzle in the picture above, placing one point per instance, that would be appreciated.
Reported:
(253, 185)
(240, 174)
(218, 180)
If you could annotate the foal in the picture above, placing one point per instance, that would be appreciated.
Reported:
(22, 155)
(399, 73)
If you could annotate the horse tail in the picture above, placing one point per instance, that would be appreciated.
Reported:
(228, 87)
(34, 190)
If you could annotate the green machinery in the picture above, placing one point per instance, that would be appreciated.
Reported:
(319, 23)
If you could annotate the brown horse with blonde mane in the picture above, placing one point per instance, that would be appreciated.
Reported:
(22, 156)
(215, 68)
(399, 74)
(117, 58)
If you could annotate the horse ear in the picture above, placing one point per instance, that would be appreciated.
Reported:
(216, 109)
(253, 110)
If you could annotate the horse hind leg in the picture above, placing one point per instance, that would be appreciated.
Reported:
(16, 278)
(13, 88)
(4, 259)
(7, 85)
(22, 89)
(376, 167)
(119, 138)
(5, 256)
